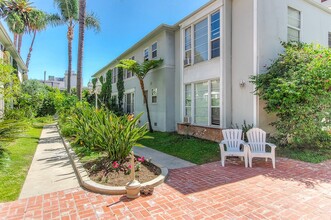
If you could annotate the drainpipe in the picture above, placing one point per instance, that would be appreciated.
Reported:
(255, 60)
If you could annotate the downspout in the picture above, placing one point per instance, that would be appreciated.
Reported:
(255, 60)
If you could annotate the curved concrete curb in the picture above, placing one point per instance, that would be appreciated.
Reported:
(87, 183)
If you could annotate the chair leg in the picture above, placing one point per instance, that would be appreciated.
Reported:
(266, 159)
(273, 162)
(250, 161)
(223, 160)
(246, 161)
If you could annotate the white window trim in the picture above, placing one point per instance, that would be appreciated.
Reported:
(295, 28)
(218, 38)
(157, 54)
(154, 96)
(144, 58)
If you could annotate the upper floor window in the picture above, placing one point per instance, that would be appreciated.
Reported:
(201, 41)
(215, 35)
(114, 80)
(154, 50)
(294, 25)
(188, 46)
(154, 95)
(146, 54)
(129, 103)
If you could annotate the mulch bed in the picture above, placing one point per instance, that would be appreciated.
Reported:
(101, 172)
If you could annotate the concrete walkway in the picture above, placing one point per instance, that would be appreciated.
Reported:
(161, 159)
(51, 169)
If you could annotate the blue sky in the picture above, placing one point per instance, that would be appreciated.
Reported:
(123, 23)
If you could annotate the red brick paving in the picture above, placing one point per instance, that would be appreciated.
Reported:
(295, 190)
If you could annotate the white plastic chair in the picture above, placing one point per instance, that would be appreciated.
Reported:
(232, 141)
(257, 146)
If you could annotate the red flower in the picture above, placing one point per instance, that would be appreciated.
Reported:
(115, 165)
(129, 167)
(141, 159)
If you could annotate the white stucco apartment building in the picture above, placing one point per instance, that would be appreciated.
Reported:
(209, 57)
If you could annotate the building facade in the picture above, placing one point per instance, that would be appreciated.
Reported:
(211, 55)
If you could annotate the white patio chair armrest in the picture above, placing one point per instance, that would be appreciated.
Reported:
(271, 145)
(224, 142)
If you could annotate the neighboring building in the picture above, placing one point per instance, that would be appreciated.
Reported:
(214, 51)
(73, 79)
(9, 53)
(55, 82)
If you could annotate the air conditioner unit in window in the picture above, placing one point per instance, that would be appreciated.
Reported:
(187, 62)
(187, 120)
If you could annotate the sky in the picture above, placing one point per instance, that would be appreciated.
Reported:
(123, 23)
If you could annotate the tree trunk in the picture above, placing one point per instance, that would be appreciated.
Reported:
(20, 37)
(70, 38)
(82, 15)
(15, 40)
(142, 86)
(30, 50)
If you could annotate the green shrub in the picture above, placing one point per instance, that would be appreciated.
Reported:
(297, 87)
(9, 130)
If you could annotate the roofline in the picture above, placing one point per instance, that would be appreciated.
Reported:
(162, 27)
(319, 5)
(10, 46)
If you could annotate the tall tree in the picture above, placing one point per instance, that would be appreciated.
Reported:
(38, 22)
(81, 38)
(69, 15)
(141, 70)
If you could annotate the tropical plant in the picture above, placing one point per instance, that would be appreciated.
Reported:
(141, 70)
(297, 88)
(106, 90)
(9, 130)
(9, 83)
(69, 15)
(120, 88)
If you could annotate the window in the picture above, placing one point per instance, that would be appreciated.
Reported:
(154, 50)
(201, 41)
(294, 25)
(201, 103)
(188, 44)
(146, 94)
(146, 54)
(154, 95)
(215, 102)
(104, 77)
(215, 35)
(188, 100)
(129, 103)
(329, 39)
(128, 74)
(114, 80)
(204, 106)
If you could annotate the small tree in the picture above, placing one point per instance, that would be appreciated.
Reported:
(297, 88)
(141, 70)
(120, 89)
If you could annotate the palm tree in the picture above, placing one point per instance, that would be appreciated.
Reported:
(69, 16)
(82, 15)
(38, 22)
(141, 70)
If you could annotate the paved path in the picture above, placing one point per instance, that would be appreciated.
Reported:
(162, 159)
(51, 169)
(295, 190)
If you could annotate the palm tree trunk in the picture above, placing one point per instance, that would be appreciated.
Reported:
(70, 38)
(142, 86)
(30, 50)
(15, 40)
(20, 37)
(82, 15)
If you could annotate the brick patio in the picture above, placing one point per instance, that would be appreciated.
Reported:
(295, 190)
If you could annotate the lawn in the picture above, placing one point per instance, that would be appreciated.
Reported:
(307, 155)
(15, 163)
(192, 149)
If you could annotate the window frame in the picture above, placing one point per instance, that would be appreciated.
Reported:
(114, 75)
(293, 27)
(146, 58)
(154, 95)
(217, 38)
(156, 50)
(132, 107)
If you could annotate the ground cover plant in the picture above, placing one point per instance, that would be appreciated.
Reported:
(297, 88)
(192, 149)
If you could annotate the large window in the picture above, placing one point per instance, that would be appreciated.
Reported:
(114, 80)
(204, 107)
(154, 50)
(201, 41)
(129, 103)
(215, 35)
(188, 100)
(188, 45)
(294, 25)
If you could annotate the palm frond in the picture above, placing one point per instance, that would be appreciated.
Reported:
(92, 22)
(55, 20)
(68, 9)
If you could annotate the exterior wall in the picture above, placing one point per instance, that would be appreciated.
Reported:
(163, 79)
(73, 79)
(316, 23)
(203, 132)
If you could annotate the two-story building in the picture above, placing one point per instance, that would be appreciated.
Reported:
(210, 56)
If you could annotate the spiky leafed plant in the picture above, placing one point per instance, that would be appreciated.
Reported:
(38, 22)
(69, 15)
(141, 70)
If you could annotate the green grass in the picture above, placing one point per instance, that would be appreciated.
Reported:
(192, 149)
(307, 155)
(15, 162)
